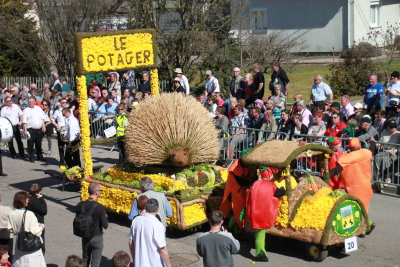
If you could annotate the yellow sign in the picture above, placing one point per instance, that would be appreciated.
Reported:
(117, 50)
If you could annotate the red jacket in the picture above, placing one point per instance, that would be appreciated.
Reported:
(335, 131)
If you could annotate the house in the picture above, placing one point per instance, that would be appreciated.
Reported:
(321, 25)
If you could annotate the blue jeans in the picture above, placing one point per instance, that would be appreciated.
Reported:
(92, 251)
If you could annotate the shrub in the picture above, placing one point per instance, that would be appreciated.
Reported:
(352, 74)
(363, 49)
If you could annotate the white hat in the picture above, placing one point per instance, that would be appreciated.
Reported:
(14, 88)
(177, 80)
(208, 72)
(358, 106)
(178, 70)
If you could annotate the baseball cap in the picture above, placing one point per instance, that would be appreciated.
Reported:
(358, 105)
(395, 74)
(178, 70)
(392, 124)
(208, 72)
(366, 120)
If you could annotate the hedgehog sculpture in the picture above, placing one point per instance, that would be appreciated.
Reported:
(170, 129)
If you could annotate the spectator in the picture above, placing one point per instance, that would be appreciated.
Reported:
(115, 97)
(260, 104)
(38, 206)
(259, 83)
(390, 135)
(212, 105)
(276, 111)
(56, 84)
(336, 126)
(211, 84)
(72, 102)
(221, 121)
(238, 128)
(15, 95)
(320, 91)
(278, 97)
(286, 125)
(335, 108)
(393, 92)
(13, 113)
(49, 125)
(317, 128)
(110, 107)
(92, 248)
(306, 115)
(147, 238)
(202, 99)
(141, 205)
(104, 93)
(4, 256)
(129, 80)
(217, 246)
(147, 188)
(237, 84)
(177, 86)
(347, 107)
(121, 259)
(358, 112)
(350, 130)
(58, 121)
(255, 118)
(184, 79)
(269, 125)
(73, 261)
(367, 132)
(34, 121)
(279, 76)
(65, 86)
(15, 218)
(243, 103)
(114, 83)
(144, 85)
(299, 126)
(72, 135)
(249, 88)
(5, 235)
(373, 94)
(293, 109)
(46, 91)
(379, 121)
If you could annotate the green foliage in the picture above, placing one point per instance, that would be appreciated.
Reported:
(350, 76)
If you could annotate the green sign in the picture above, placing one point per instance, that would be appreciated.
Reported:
(347, 218)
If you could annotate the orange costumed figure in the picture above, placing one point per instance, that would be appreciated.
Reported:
(356, 172)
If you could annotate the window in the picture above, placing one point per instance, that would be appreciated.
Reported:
(259, 19)
(374, 13)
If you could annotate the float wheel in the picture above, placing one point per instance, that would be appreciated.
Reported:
(316, 252)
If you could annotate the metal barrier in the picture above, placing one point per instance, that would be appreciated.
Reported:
(323, 140)
(99, 122)
(386, 167)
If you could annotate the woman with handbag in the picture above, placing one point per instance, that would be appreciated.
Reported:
(38, 206)
(27, 230)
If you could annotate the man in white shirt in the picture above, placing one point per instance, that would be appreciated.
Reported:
(147, 239)
(59, 122)
(393, 92)
(320, 91)
(13, 113)
(34, 123)
(211, 84)
(184, 80)
(72, 134)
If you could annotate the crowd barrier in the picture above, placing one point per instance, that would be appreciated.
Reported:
(99, 123)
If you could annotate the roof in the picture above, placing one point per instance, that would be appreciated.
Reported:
(279, 154)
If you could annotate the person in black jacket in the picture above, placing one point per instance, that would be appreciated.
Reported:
(92, 248)
(286, 125)
(38, 206)
(278, 76)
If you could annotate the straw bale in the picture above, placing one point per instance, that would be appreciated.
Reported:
(166, 121)
(279, 154)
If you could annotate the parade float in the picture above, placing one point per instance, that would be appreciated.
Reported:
(309, 211)
(171, 139)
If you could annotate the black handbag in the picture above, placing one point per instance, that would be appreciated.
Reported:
(27, 241)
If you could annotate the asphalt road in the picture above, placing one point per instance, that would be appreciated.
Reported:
(381, 248)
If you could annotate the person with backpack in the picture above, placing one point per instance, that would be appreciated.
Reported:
(90, 220)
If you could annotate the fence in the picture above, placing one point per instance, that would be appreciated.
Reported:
(164, 84)
(99, 122)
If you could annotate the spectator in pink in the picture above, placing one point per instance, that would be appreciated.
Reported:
(347, 107)
(306, 115)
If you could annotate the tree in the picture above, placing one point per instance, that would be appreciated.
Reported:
(22, 52)
(61, 19)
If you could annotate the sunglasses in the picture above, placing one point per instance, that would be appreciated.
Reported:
(8, 101)
(63, 102)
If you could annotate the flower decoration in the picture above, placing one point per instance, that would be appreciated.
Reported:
(194, 213)
(154, 84)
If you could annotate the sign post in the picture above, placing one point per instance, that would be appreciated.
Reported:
(110, 51)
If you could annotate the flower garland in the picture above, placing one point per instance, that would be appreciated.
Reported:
(314, 210)
(194, 214)
(117, 200)
(154, 84)
(85, 126)
(283, 216)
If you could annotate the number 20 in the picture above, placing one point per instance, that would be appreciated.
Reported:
(350, 245)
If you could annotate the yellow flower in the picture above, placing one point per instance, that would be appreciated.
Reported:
(158, 179)
(338, 217)
(174, 219)
(327, 156)
(63, 168)
(283, 215)
(357, 214)
(334, 223)
(314, 210)
(224, 174)
(179, 185)
(194, 213)
(154, 84)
